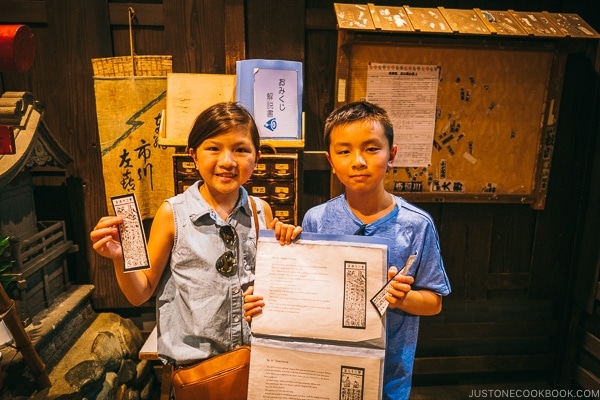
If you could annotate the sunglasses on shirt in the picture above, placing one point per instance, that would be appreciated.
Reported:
(227, 263)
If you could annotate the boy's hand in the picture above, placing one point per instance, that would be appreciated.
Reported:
(285, 233)
(399, 288)
(252, 304)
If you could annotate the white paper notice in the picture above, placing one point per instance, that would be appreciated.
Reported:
(320, 290)
(284, 371)
(276, 102)
(409, 94)
(318, 336)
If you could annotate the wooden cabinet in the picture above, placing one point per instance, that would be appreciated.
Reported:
(275, 180)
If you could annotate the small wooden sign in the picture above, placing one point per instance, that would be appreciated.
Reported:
(536, 23)
(572, 25)
(465, 21)
(502, 23)
(388, 18)
(353, 16)
(428, 20)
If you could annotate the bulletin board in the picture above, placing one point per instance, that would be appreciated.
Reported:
(498, 93)
(491, 107)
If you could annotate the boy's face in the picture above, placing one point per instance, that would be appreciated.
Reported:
(360, 155)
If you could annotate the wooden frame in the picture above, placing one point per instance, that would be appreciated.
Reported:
(497, 102)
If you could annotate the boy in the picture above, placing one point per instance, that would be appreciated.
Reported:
(359, 141)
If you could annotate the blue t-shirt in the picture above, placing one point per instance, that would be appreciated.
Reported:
(409, 230)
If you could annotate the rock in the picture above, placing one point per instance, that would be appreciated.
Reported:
(146, 391)
(109, 345)
(143, 369)
(107, 349)
(131, 338)
(85, 374)
(127, 372)
(109, 389)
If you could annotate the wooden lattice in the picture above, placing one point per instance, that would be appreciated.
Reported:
(123, 66)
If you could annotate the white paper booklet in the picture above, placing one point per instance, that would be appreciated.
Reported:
(318, 330)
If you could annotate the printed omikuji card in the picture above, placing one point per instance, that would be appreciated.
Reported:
(379, 300)
(131, 232)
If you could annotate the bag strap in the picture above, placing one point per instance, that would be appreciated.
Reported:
(254, 214)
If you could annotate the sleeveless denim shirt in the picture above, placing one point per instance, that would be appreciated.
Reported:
(199, 311)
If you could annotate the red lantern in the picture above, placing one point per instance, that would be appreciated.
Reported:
(17, 48)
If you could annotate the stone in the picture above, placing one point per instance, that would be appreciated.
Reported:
(131, 338)
(146, 391)
(143, 369)
(103, 342)
(107, 349)
(109, 389)
(128, 372)
(85, 374)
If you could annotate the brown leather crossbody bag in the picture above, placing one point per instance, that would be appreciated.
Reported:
(220, 377)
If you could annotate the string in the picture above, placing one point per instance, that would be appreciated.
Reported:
(131, 13)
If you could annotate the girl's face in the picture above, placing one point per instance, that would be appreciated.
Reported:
(226, 161)
(359, 154)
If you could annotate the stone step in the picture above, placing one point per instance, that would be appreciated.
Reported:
(57, 327)
(85, 353)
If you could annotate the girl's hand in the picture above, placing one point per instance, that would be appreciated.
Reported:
(253, 304)
(105, 237)
(284, 233)
(399, 289)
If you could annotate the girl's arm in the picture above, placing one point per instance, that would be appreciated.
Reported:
(137, 286)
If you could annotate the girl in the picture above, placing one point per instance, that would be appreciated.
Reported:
(202, 244)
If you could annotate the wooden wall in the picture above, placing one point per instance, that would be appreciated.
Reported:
(513, 270)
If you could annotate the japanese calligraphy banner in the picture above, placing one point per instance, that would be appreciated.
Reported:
(129, 111)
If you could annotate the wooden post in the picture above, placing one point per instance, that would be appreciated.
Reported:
(22, 341)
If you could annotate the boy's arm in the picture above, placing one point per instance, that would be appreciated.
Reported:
(416, 302)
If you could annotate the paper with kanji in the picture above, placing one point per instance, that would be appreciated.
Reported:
(318, 335)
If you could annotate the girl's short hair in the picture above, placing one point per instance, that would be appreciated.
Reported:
(358, 111)
(219, 118)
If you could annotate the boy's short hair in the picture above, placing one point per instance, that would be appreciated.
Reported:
(358, 111)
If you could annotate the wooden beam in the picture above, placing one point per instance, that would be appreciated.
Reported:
(235, 34)
(494, 329)
(486, 363)
(586, 379)
(23, 12)
(77, 32)
(196, 28)
(319, 18)
(145, 14)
